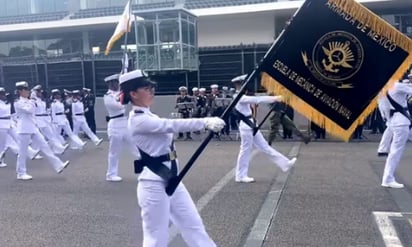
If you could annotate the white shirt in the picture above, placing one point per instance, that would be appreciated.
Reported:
(57, 111)
(153, 135)
(41, 121)
(384, 107)
(25, 109)
(399, 94)
(78, 108)
(244, 106)
(5, 112)
(115, 108)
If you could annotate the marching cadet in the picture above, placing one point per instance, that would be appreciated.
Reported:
(79, 121)
(27, 130)
(43, 121)
(117, 124)
(214, 93)
(185, 110)
(203, 100)
(248, 140)
(68, 99)
(154, 138)
(61, 122)
(5, 124)
(400, 124)
(89, 101)
(386, 139)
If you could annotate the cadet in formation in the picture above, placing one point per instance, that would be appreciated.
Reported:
(248, 139)
(154, 138)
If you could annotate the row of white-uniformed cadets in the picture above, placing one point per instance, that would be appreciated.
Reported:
(398, 129)
(25, 132)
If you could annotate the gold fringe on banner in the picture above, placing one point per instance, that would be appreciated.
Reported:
(374, 22)
(273, 86)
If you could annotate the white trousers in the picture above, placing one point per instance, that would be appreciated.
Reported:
(400, 137)
(80, 125)
(247, 142)
(12, 143)
(157, 209)
(38, 140)
(386, 139)
(115, 148)
(3, 142)
(55, 143)
(75, 140)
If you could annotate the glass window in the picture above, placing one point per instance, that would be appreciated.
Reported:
(4, 49)
(12, 8)
(24, 7)
(3, 11)
(169, 31)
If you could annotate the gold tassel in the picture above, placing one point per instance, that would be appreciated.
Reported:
(273, 86)
(374, 22)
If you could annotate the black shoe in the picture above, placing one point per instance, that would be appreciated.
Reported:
(306, 139)
(382, 154)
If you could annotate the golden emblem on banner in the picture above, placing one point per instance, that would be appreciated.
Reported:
(336, 57)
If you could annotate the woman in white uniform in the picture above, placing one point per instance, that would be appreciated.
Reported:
(153, 136)
(248, 140)
(28, 131)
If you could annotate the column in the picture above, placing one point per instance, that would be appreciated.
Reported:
(34, 8)
(86, 43)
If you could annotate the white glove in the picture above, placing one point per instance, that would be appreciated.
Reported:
(214, 124)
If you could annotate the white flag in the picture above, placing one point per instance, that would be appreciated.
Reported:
(122, 27)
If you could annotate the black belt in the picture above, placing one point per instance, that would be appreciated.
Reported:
(246, 120)
(117, 116)
(59, 113)
(5, 118)
(42, 115)
(79, 114)
(155, 164)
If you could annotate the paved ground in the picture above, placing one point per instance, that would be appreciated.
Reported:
(331, 198)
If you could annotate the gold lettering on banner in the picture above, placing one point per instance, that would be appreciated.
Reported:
(312, 89)
(385, 42)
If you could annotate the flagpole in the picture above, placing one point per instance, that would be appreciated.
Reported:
(125, 41)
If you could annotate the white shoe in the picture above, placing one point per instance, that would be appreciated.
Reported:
(38, 157)
(24, 177)
(2, 164)
(245, 180)
(114, 179)
(65, 164)
(98, 142)
(393, 185)
(35, 154)
(289, 165)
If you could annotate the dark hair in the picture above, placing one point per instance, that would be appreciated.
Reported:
(133, 85)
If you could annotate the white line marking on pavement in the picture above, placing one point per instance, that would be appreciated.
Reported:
(269, 208)
(386, 228)
(205, 199)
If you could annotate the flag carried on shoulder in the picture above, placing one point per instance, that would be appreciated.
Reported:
(332, 60)
(124, 25)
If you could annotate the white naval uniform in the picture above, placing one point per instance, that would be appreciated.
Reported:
(60, 121)
(43, 122)
(28, 131)
(79, 121)
(386, 139)
(5, 125)
(117, 132)
(399, 125)
(248, 141)
(153, 135)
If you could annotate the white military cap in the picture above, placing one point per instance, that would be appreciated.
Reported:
(37, 87)
(410, 75)
(232, 89)
(195, 89)
(76, 92)
(182, 88)
(405, 81)
(86, 89)
(240, 78)
(22, 84)
(225, 88)
(2, 90)
(55, 91)
(114, 77)
(214, 86)
(202, 89)
(135, 79)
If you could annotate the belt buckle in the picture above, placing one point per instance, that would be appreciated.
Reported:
(172, 155)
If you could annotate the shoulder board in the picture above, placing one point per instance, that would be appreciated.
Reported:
(138, 111)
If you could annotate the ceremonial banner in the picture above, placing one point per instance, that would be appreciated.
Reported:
(332, 60)
(122, 27)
